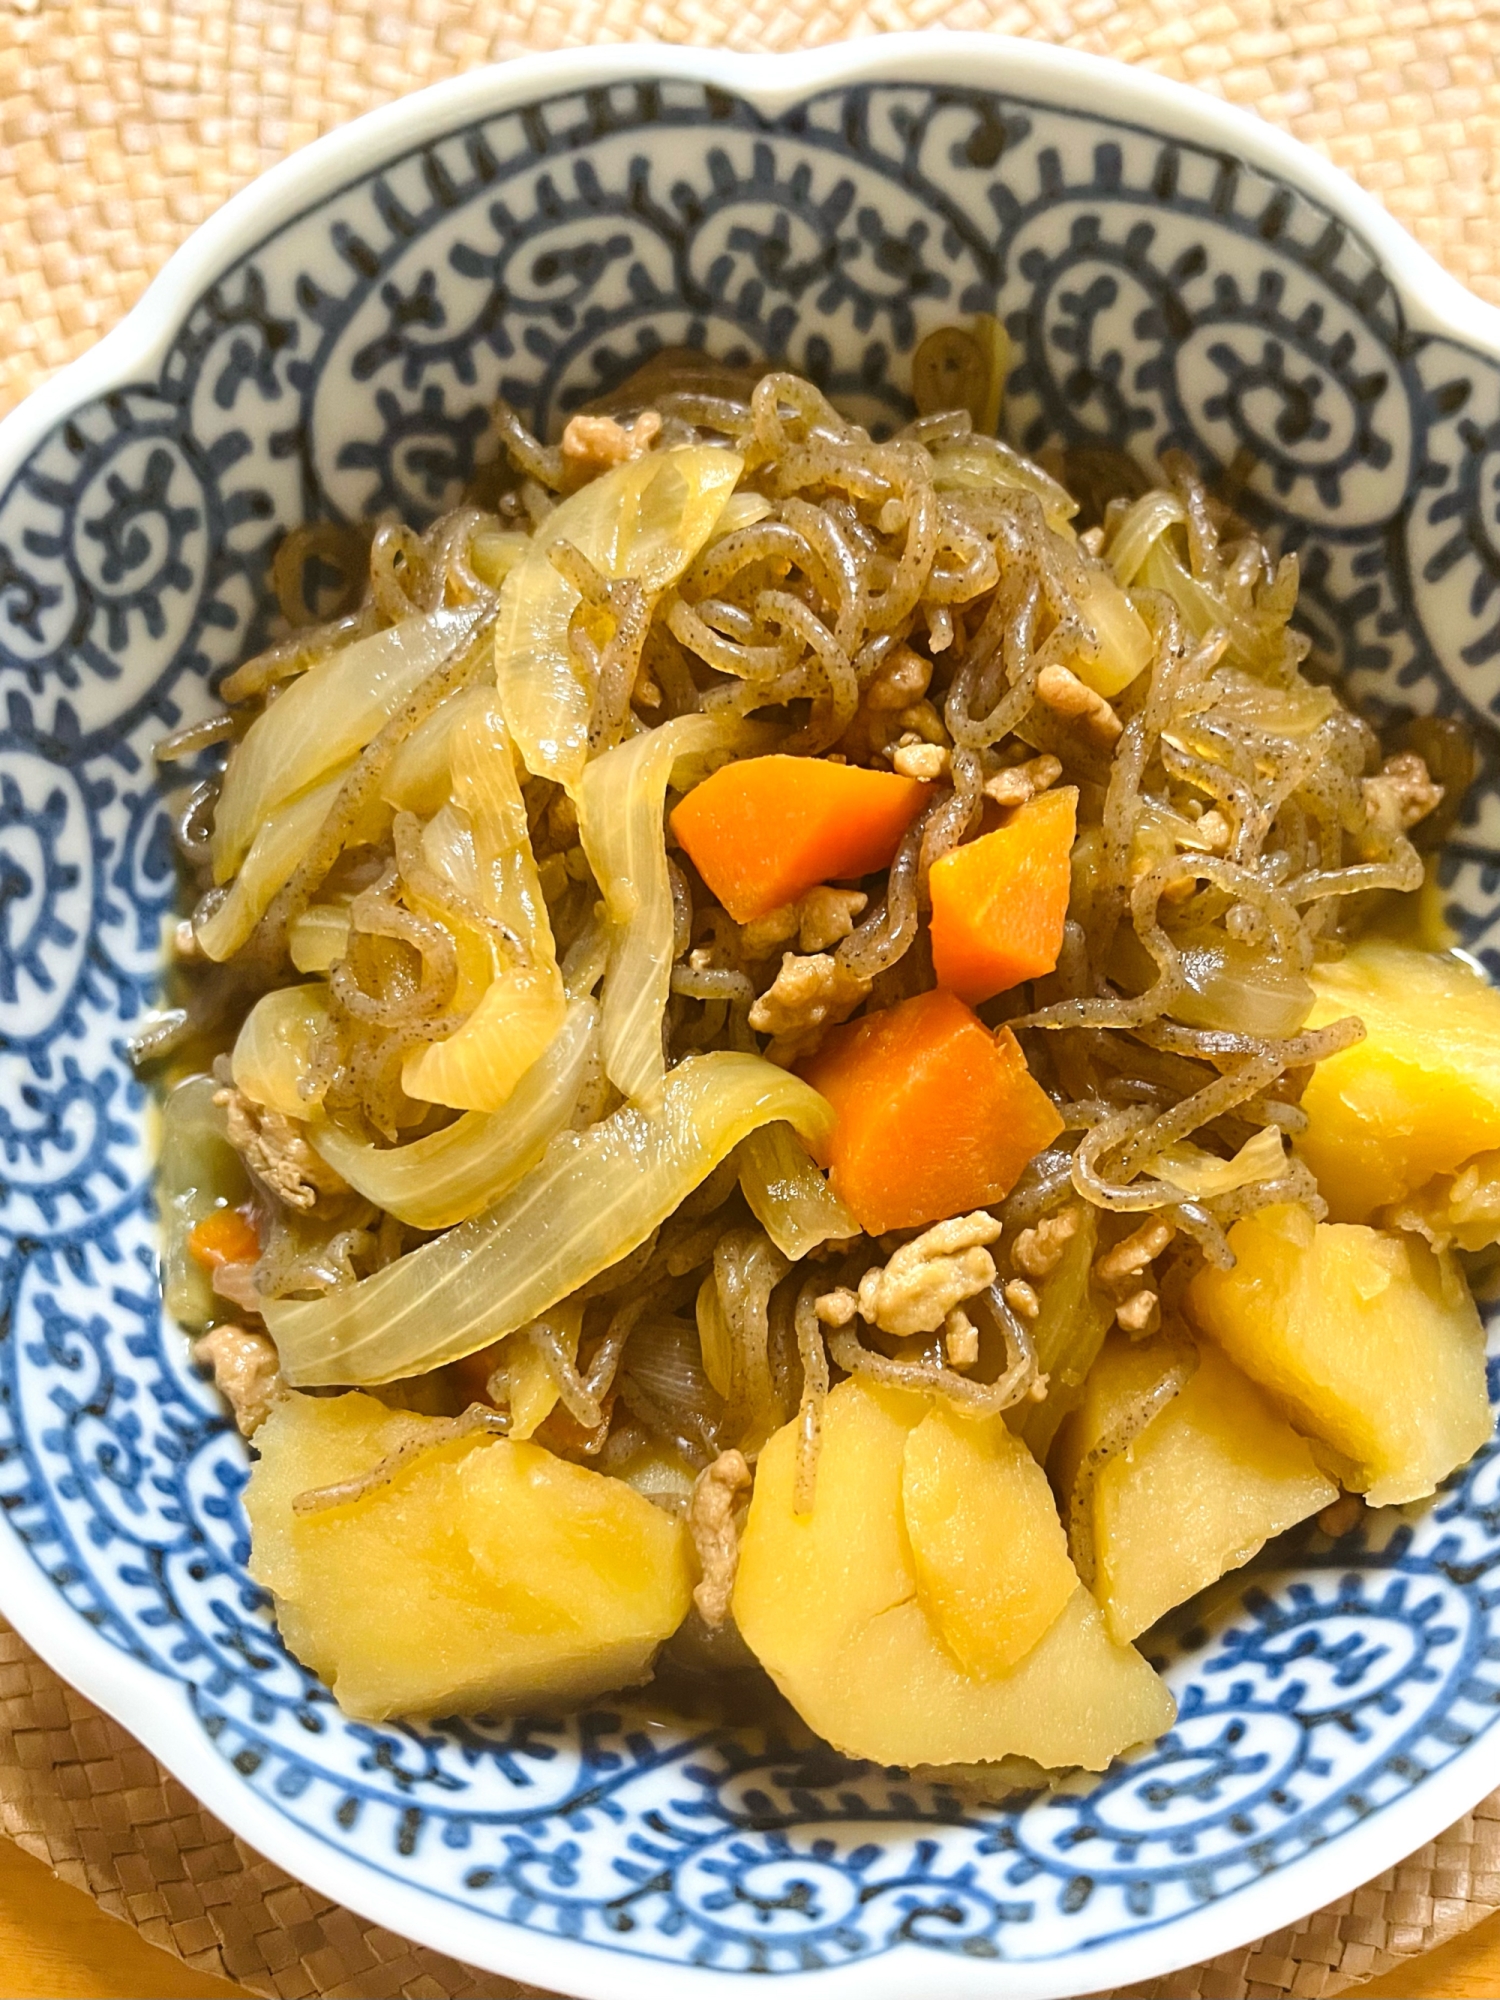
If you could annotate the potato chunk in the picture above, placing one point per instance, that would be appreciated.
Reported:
(1366, 1340)
(1204, 1486)
(989, 1552)
(483, 1575)
(829, 1604)
(1420, 1095)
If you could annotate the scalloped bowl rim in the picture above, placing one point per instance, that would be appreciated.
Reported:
(155, 1709)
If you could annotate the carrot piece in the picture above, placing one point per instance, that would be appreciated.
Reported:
(935, 1115)
(766, 830)
(999, 903)
(224, 1236)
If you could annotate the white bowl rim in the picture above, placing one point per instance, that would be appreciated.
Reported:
(157, 1711)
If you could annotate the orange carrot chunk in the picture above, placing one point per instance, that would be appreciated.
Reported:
(225, 1236)
(998, 903)
(764, 831)
(935, 1115)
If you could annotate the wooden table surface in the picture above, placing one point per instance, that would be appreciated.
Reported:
(57, 1944)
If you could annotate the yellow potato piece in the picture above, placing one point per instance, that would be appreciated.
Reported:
(1367, 1340)
(828, 1603)
(484, 1575)
(1420, 1095)
(989, 1552)
(1205, 1485)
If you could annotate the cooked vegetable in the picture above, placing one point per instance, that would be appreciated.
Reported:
(1205, 1175)
(999, 903)
(1073, 1316)
(828, 1602)
(198, 1175)
(1123, 645)
(272, 1060)
(479, 848)
(279, 845)
(454, 1173)
(593, 1198)
(989, 1553)
(645, 520)
(620, 800)
(788, 1196)
(481, 1575)
(1366, 1340)
(1419, 1095)
(317, 937)
(764, 831)
(935, 1116)
(1197, 1492)
(324, 718)
(225, 1236)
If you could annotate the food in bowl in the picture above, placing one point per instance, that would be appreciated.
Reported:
(790, 1050)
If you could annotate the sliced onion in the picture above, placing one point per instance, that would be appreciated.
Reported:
(531, 1388)
(975, 464)
(715, 1341)
(325, 718)
(645, 519)
(1240, 989)
(1296, 710)
(197, 1171)
(453, 1174)
(620, 801)
(272, 860)
(788, 1196)
(1144, 525)
(1255, 641)
(318, 937)
(417, 778)
(1125, 646)
(594, 1197)
(1203, 1175)
(272, 1060)
(665, 1358)
(482, 846)
(741, 510)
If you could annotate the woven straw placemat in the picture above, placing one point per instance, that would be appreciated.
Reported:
(121, 127)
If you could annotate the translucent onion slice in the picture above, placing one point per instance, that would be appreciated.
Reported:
(325, 718)
(1255, 641)
(530, 1385)
(1145, 524)
(715, 1341)
(417, 778)
(197, 1171)
(453, 1174)
(272, 1059)
(976, 464)
(788, 1197)
(272, 860)
(741, 510)
(1239, 988)
(1203, 1175)
(319, 937)
(482, 846)
(1125, 643)
(646, 519)
(594, 1198)
(620, 802)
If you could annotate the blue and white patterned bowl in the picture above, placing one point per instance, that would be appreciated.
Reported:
(1172, 273)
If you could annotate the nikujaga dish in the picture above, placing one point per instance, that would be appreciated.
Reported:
(810, 1050)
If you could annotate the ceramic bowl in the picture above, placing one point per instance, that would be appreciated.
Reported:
(1172, 273)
